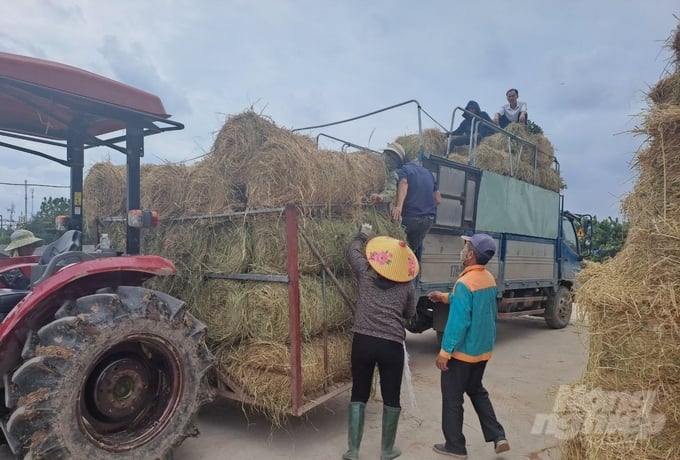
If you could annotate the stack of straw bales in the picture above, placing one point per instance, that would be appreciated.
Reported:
(628, 402)
(498, 154)
(256, 167)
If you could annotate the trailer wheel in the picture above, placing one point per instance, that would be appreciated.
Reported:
(558, 310)
(117, 374)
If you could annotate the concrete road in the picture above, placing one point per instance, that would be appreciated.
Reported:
(529, 364)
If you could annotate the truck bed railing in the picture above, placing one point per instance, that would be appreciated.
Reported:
(345, 144)
(420, 112)
(478, 121)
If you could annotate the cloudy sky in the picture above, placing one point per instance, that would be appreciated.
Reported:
(583, 67)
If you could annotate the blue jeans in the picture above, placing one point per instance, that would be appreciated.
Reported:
(462, 378)
(416, 229)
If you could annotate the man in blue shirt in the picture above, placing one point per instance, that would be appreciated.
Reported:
(416, 205)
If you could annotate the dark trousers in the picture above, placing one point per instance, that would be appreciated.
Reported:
(462, 378)
(416, 229)
(503, 121)
(368, 351)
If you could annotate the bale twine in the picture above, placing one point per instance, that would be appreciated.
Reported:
(629, 400)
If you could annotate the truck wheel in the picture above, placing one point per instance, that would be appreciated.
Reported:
(558, 310)
(117, 374)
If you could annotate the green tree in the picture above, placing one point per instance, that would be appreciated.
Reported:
(42, 224)
(609, 236)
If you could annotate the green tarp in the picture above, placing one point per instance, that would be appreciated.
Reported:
(509, 205)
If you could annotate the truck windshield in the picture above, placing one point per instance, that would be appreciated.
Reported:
(569, 233)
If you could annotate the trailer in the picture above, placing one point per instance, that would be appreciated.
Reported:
(94, 363)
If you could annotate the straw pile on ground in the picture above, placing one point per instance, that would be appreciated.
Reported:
(628, 402)
(223, 217)
(497, 153)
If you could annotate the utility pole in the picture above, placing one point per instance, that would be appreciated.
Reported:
(11, 216)
(25, 200)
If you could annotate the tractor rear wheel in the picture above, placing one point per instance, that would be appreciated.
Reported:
(117, 374)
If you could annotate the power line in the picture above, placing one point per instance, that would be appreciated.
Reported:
(24, 184)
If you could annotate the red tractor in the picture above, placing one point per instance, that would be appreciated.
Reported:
(93, 364)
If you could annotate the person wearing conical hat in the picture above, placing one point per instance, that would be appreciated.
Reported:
(393, 156)
(385, 268)
(22, 243)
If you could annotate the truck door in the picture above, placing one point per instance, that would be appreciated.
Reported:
(570, 256)
(459, 187)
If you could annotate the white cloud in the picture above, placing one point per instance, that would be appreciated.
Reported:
(581, 66)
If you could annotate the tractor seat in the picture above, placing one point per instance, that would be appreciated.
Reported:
(69, 241)
(9, 298)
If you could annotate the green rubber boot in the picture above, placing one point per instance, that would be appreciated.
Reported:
(355, 429)
(390, 422)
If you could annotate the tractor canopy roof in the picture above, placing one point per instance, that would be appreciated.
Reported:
(49, 100)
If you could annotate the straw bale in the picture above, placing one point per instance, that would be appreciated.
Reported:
(104, 191)
(282, 172)
(262, 371)
(434, 143)
(364, 170)
(330, 236)
(211, 190)
(492, 159)
(667, 90)
(240, 137)
(631, 304)
(267, 312)
(461, 158)
(229, 248)
(163, 188)
(633, 334)
(222, 306)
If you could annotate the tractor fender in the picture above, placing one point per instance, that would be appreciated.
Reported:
(71, 282)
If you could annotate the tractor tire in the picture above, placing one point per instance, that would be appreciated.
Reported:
(116, 375)
(558, 310)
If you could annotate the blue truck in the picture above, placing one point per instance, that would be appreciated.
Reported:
(540, 244)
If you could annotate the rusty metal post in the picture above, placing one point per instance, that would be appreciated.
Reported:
(294, 308)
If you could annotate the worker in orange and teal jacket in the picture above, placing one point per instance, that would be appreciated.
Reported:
(467, 344)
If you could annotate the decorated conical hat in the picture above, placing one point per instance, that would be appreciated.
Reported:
(392, 259)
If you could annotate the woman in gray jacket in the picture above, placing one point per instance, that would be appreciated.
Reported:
(385, 268)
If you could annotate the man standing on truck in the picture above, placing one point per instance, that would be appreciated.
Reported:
(416, 206)
(467, 343)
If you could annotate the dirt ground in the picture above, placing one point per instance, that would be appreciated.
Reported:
(529, 364)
